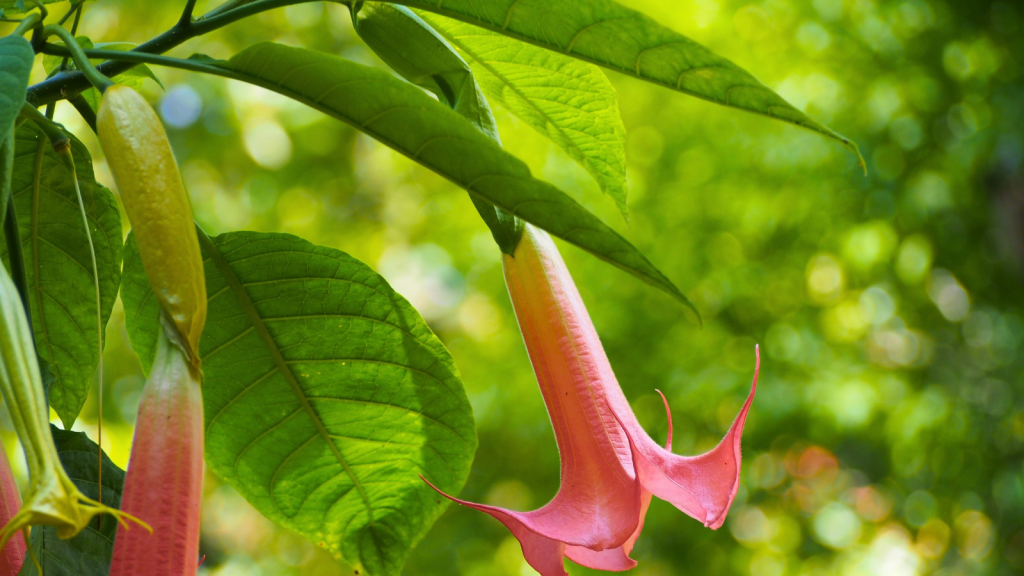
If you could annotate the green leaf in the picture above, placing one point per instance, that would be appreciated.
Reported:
(6, 168)
(16, 58)
(326, 395)
(611, 35)
(569, 101)
(133, 77)
(420, 55)
(56, 249)
(406, 119)
(18, 6)
(88, 553)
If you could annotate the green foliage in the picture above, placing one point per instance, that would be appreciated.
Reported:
(59, 265)
(569, 101)
(88, 553)
(407, 120)
(19, 6)
(133, 77)
(413, 49)
(888, 423)
(611, 35)
(326, 395)
(16, 58)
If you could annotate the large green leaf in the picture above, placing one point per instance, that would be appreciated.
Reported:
(616, 37)
(569, 101)
(326, 395)
(88, 553)
(56, 250)
(16, 58)
(403, 117)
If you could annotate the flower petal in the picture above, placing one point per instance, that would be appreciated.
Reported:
(701, 486)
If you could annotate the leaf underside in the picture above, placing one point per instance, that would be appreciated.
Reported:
(611, 35)
(401, 116)
(326, 395)
(569, 101)
(61, 290)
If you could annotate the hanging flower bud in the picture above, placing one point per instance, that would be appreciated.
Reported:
(164, 482)
(140, 158)
(610, 466)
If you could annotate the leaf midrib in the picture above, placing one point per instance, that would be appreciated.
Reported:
(243, 298)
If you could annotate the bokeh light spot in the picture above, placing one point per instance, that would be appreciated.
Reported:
(181, 106)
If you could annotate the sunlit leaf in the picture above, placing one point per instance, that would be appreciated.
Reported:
(326, 395)
(612, 35)
(569, 101)
(403, 117)
(56, 249)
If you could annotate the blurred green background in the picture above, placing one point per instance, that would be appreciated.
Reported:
(887, 436)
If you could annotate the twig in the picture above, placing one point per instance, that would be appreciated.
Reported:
(97, 79)
(58, 87)
(84, 110)
(186, 16)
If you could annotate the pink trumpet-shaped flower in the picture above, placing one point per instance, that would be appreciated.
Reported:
(610, 467)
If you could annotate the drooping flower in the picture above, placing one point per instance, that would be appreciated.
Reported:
(610, 466)
(51, 498)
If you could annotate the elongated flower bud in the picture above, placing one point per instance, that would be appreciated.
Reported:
(164, 482)
(140, 158)
(51, 498)
(13, 554)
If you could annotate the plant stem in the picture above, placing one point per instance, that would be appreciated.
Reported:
(27, 23)
(97, 79)
(186, 14)
(69, 163)
(17, 258)
(143, 58)
(53, 131)
(57, 87)
(75, 7)
(84, 110)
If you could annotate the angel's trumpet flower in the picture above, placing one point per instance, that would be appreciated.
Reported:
(13, 554)
(51, 499)
(164, 481)
(610, 466)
